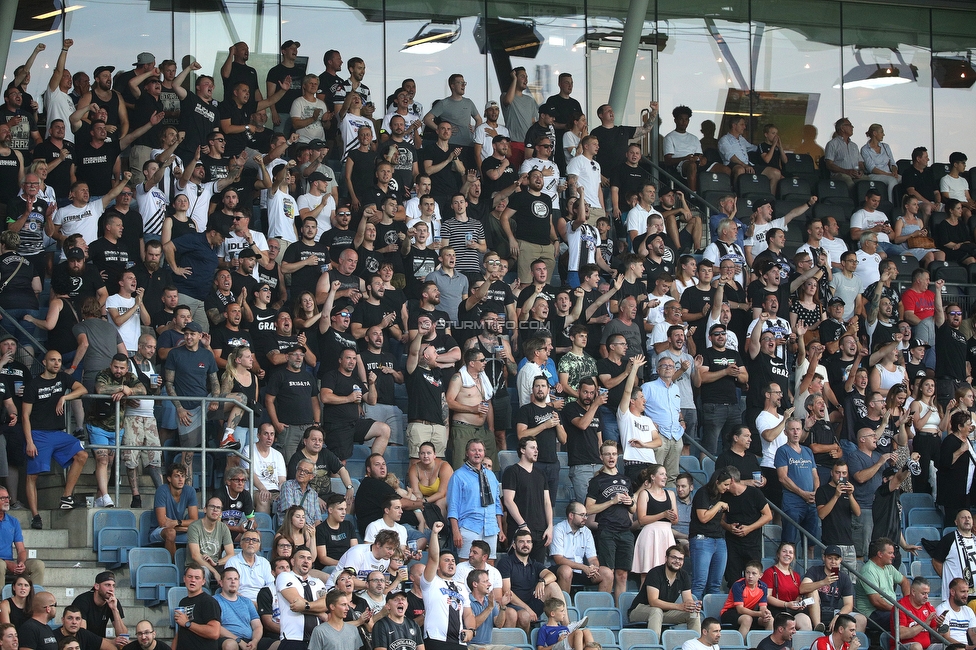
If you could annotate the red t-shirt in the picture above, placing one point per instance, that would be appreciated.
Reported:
(824, 643)
(921, 304)
(783, 586)
(922, 612)
(748, 597)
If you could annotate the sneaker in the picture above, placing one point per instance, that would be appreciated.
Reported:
(17, 505)
(820, 628)
(97, 502)
(107, 502)
(136, 501)
(229, 442)
(68, 502)
(36, 523)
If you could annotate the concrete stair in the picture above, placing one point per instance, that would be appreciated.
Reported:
(65, 546)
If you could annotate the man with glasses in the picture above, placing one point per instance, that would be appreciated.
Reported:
(726, 247)
(34, 633)
(238, 507)
(299, 492)
(208, 540)
(13, 553)
(584, 170)
(952, 365)
(665, 596)
(255, 571)
(842, 157)
(612, 373)
(146, 638)
(663, 406)
(574, 553)
(469, 396)
(722, 370)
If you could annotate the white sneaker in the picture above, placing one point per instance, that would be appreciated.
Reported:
(107, 502)
(98, 501)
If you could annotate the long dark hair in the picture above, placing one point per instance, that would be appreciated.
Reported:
(720, 475)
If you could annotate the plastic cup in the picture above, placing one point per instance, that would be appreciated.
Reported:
(757, 477)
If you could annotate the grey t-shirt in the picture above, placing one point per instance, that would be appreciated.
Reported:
(325, 637)
(103, 340)
(459, 113)
(519, 115)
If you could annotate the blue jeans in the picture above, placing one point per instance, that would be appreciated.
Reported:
(717, 421)
(805, 514)
(708, 556)
(609, 421)
(572, 279)
(18, 316)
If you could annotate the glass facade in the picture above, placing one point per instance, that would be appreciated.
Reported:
(800, 64)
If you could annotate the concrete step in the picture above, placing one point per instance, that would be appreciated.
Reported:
(70, 576)
(46, 539)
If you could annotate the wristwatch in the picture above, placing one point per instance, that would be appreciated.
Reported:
(187, 625)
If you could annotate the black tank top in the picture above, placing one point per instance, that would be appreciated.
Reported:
(111, 107)
(9, 176)
(181, 228)
(17, 615)
(247, 391)
(61, 338)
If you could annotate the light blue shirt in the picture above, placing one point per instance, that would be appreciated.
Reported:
(464, 501)
(664, 407)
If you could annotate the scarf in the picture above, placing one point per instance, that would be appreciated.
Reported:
(487, 499)
(467, 381)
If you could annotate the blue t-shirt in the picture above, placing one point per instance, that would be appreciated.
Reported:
(800, 465)
(10, 534)
(195, 252)
(164, 499)
(549, 635)
(482, 635)
(237, 615)
(191, 370)
(856, 462)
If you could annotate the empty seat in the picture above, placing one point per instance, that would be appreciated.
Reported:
(708, 466)
(949, 272)
(732, 638)
(925, 517)
(754, 637)
(147, 524)
(924, 568)
(915, 535)
(604, 636)
(113, 543)
(712, 605)
(608, 617)
(153, 582)
(795, 189)
(587, 599)
(744, 207)
(689, 463)
(508, 636)
(507, 457)
(939, 170)
(804, 638)
(834, 193)
(712, 186)
(624, 602)
(754, 186)
(801, 165)
(173, 598)
(917, 500)
(906, 265)
(671, 639)
(263, 521)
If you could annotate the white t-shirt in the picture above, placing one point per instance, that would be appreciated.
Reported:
(361, 558)
(464, 568)
(412, 208)
(324, 220)
(152, 207)
(759, 231)
(83, 220)
(587, 174)
(168, 178)
(636, 427)
(778, 326)
(570, 143)
(731, 339)
(141, 408)
(408, 119)
(637, 219)
(442, 602)
(433, 228)
(234, 244)
(959, 622)
(293, 623)
(867, 220)
(680, 145)
(199, 197)
(868, 270)
(130, 329)
(378, 525)
(765, 421)
(835, 248)
(281, 216)
(268, 468)
(954, 188)
(349, 129)
(303, 109)
(953, 567)
(695, 644)
(481, 137)
(583, 243)
(59, 106)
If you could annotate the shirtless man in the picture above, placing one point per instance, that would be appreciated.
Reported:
(469, 397)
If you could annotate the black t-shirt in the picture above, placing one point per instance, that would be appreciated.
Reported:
(923, 182)
(341, 386)
(498, 297)
(951, 358)
(236, 509)
(629, 180)
(96, 616)
(369, 502)
(276, 75)
(836, 526)
(331, 345)
(58, 178)
(242, 73)
(326, 464)
(425, 387)
(582, 445)
(198, 119)
(721, 391)
(745, 509)
(668, 592)
(548, 292)
(607, 367)
(768, 644)
(530, 489)
(146, 105)
(389, 234)
(199, 609)
(763, 371)
(335, 540)
(533, 217)
(94, 166)
(44, 394)
(132, 231)
(373, 361)
(508, 177)
(35, 636)
(292, 391)
(613, 146)
(698, 301)
(111, 258)
(363, 174)
(886, 511)
(703, 501)
(307, 277)
(757, 294)
(604, 487)
(532, 416)
(821, 434)
(447, 181)
(417, 266)
(524, 577)
(337, 240)
(747, 464)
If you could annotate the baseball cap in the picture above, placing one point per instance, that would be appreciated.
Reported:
(833, 549)
(74, 253)
(767, 266)
(318, 143)
(144, 58)
(289, 43)
(350, 570)
(219, 227)
(104, 576)
(193, 326)
(6, 336)
(501, 137)
(102, 68)
(338, 310)
(761, 202)
(919, 343)
(548, 109)
(317, 176)
(836, 300)
(292, 348)
(492, 104)
(247, 252)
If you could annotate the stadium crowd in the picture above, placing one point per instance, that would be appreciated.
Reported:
(520, 283)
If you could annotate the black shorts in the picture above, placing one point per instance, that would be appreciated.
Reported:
(341, 438)
(501, 405)
(16, 446)
(731, 617)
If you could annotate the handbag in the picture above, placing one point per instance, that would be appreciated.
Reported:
(920, 241)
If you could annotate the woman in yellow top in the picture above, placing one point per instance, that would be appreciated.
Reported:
(429, 477)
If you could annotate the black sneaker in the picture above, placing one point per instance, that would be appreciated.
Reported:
(136, 501)
(36, 523)
(68, 503)
(820, 628)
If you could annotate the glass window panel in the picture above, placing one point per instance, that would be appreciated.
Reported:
(953, 43)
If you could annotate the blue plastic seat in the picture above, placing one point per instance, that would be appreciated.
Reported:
(147, 524)
(586, 599)
(603, 636)
(689, 463)
(671, 639)
(631, 637)
(508, 636)
(152, 573)
(608, 617)
(113, 543)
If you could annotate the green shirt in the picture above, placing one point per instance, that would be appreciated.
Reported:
(577, 367)
(887, 578)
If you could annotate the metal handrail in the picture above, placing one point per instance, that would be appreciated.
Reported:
(7, 319)
(851, 568)
(118, 447)
(690, 195)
